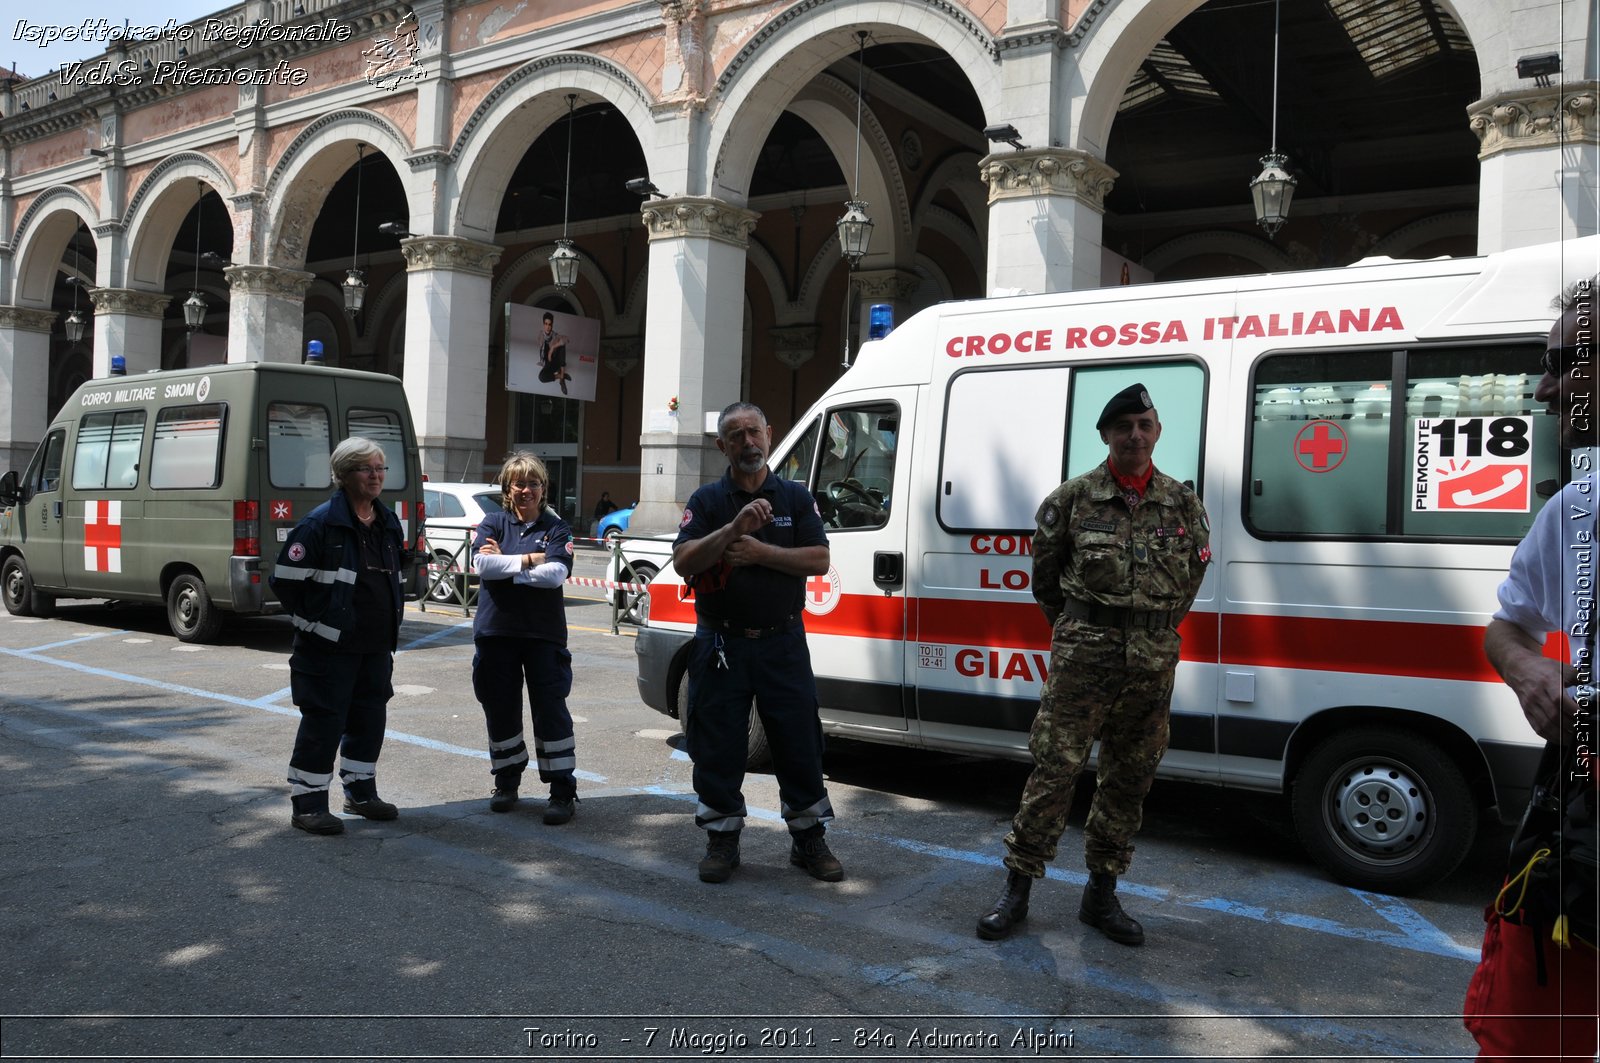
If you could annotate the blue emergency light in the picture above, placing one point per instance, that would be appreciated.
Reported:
(119, 365)
(314, 352)
(880, 321)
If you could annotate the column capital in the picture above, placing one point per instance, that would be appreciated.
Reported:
(1047, 172)
(269, 280)
(886, 283)
(794, 345)
(455, 253)
(130, 301)
(699, 216)
(1535, 118)
(27, 318)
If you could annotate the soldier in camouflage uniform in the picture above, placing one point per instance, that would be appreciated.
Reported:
(1117, 560)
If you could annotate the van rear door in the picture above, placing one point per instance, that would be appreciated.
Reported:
(297, 414)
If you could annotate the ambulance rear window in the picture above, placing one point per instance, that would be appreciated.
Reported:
(187, 449)
(106, 454)
(383, 428)
(298, 445)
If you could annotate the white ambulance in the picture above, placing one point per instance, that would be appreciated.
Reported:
(1367, 444)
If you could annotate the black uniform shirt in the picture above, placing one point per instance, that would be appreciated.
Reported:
(752, 595)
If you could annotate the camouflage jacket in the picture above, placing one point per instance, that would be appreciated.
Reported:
(1091, 547)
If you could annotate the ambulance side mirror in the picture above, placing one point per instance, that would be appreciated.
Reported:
(9, 491)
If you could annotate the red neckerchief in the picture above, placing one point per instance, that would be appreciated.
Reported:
(1132, 487)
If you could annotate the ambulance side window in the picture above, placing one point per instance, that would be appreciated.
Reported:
(106, 454)
(855, 469)
(187, 449)
(1319, 449)
(797, 463)
(383, 428)
(298, 445)
(1476, 443)
(1178, 391)
(1002, 447)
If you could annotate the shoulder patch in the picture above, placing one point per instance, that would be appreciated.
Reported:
(297, 551)
(688, 515)
(1049, 516)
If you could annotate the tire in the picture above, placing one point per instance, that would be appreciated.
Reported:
(757, 752)
(446, 590)
(640, 612)
(613, 534)
(1384, 809)
(16, 588)
(190, 611)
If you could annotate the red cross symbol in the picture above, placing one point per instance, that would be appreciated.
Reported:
(819, 587)
(1324, 442)
(102, 536)
(282, 510)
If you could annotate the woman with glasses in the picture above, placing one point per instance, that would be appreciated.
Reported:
(338, 576)
(523, 556)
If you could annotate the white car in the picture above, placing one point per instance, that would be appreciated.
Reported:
(454, 512)
(638, 562)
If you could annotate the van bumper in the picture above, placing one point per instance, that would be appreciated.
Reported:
(656, 649)
(247, 587)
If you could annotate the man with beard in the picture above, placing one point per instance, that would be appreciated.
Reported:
(746, 545)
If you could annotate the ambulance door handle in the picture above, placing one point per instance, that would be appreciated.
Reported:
(888, 568)
(55, 508)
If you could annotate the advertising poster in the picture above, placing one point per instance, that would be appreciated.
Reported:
(551, 353)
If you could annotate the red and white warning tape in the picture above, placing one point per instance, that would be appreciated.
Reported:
(606, 584)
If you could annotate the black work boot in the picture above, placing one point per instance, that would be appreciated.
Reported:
(810, 851)
(722, 856)
(1009, 910)
(1101, 910)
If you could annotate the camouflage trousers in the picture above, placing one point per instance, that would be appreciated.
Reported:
(1128, 712)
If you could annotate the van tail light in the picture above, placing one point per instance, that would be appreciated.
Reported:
(246, 528)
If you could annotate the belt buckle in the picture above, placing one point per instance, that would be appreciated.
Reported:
(753, 632)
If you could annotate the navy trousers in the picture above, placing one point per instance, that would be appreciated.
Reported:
(500, 669)
(343, 700)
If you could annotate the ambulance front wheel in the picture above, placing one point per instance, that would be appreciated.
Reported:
(757, 752)
(190, 611)
(1384, 809)
(16, 586)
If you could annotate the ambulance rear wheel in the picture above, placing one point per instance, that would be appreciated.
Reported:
(190, 611)
(757, 752)
(1384, 809)
(16, 587)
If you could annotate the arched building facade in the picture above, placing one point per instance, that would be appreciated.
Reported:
(257, 157)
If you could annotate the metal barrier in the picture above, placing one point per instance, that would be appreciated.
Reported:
(453, 584)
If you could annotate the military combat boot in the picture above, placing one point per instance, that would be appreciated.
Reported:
(1009, 910)
(1101, 910)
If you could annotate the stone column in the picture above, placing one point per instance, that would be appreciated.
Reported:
(447, 350)
(24, 382)
(1540, 175)
(266, 313)
(1045, 209)
(693, 347)
(127, 321)
(892, 286)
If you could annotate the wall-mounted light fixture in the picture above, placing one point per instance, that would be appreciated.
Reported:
(1005, 133)
(396, 229)
(355, 282)
(1273, 187)
(564, 260)
(643, 186)
(1539, 67)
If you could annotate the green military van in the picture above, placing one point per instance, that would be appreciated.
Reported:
(178, 487)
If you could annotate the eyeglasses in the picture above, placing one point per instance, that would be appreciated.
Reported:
(372, 470)
(1559, 361)
(525, 485)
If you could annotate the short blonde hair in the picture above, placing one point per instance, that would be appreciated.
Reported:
(522, 465)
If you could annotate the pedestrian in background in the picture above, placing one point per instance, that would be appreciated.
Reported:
(1118, 558)
(1534, 996)
(746, 544)
(338, 577)
(523, 556)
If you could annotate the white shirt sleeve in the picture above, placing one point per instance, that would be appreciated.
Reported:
(497, 566)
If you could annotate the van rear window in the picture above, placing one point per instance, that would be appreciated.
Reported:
(298, 446)
(187, 450)
(106, 454)
(383, 428)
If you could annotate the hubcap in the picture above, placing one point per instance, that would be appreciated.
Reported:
(1380, 812)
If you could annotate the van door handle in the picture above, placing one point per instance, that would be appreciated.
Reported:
(888, 568)
(55, 508)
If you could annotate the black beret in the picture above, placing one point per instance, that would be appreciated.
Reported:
(1131, 399)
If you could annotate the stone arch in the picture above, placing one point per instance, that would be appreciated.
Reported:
(960, 174)
(798, 44)
(531, 98)
(308, 168)
(1425, 230)
(1218, 242)
(158, 208)
(758, 257)
(42, 235)
(537, 260)
(829, 107)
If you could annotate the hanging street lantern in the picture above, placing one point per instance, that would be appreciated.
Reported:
(1271, 192)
